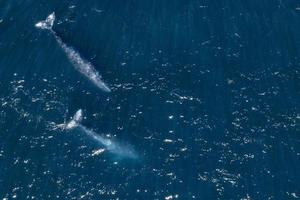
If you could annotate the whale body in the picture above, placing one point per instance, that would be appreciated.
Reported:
(121, 150)
(80, 64)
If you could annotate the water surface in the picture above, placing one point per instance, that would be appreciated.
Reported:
(206, 92)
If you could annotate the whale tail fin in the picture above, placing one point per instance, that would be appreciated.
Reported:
(76, 119)
(47, 23)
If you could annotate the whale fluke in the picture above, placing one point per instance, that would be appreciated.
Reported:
(47, 23)
(76, 119)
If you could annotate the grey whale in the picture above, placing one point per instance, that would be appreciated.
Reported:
(117, 148)
(80, 64)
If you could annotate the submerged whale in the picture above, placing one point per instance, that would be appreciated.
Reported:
(117, 148)
(80, 64)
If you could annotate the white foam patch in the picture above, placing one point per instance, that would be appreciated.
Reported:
(97, 152)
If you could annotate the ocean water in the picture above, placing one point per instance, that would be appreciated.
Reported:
(204, 101)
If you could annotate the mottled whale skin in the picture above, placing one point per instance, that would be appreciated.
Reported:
(80, 64)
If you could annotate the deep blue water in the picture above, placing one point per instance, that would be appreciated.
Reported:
(206, 93)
